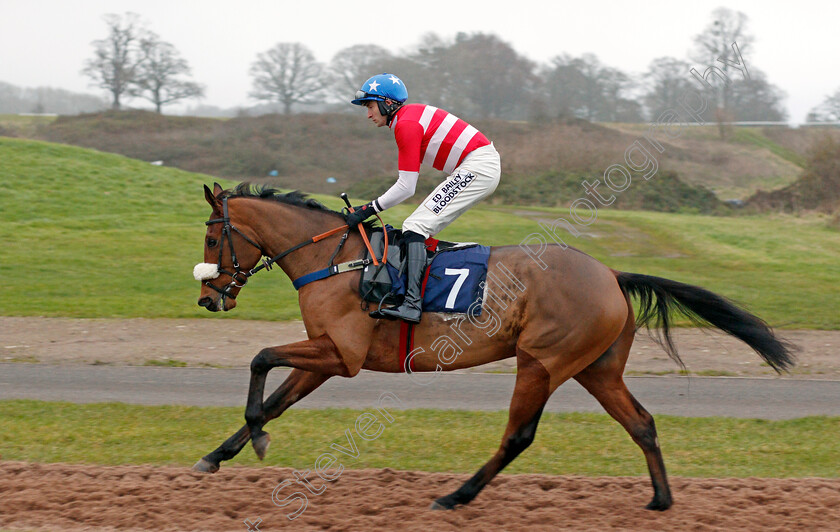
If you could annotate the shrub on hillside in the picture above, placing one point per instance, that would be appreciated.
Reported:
(666, 192)
(834, 221)
(818, 189)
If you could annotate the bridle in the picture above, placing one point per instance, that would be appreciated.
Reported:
(240, 276)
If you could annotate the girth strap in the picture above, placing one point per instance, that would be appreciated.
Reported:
(335, 269)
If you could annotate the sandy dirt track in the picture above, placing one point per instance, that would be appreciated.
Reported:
(79, 497)
(233, 343)
(86, 497)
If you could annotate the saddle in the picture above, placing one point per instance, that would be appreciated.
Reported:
(454, 278)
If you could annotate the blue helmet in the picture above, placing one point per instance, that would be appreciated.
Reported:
(380, 88)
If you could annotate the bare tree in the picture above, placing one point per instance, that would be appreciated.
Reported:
(418, 68)
(158, 78)
(714, 48)
(585, 88)
(831, 105)
(757, 99)
(828, 110)
(564, 87)
(118, 56)
(615, 85)
(486, 76)
(667, 80)
(351, 66)
(288, 74)
(715, 41)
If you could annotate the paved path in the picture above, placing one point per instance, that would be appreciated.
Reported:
(695, 396)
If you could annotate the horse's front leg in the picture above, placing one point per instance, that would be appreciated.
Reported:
(318, 355)
(296, 386)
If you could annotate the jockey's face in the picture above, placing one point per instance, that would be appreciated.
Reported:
(374, 115)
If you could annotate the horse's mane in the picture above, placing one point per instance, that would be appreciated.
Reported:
(295, 197)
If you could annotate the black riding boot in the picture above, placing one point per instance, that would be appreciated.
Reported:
(411, 308)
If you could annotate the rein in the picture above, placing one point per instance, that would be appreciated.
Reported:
(239, 278)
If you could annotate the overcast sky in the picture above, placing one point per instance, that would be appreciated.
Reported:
(45, 42)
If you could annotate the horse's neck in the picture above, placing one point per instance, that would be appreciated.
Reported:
(281, 226)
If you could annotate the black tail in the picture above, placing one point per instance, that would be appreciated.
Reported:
(658, 297)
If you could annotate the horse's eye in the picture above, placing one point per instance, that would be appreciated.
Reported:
(211, 242)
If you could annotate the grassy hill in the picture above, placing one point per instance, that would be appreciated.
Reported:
(91, 234)
(734, 168)
(26, 126)
(551, 157)
(818, 189)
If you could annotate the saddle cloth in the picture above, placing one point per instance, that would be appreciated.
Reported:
(453, 281)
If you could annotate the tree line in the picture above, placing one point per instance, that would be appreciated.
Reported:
(15, 100)
(473, 75)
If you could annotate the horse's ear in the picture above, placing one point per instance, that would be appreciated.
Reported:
(211, 198)
(217, 189)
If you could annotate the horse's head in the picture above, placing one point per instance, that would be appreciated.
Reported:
(229, 255)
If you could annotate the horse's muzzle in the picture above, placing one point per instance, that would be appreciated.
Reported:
(208, 303)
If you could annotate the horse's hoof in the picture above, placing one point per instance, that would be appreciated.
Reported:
(438, 506)
(203, 466)
(659, 506)
(260, 443)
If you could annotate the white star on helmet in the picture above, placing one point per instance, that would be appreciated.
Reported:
(394, 79)
(373, 86)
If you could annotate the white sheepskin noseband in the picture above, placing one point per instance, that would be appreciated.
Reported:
(204, 271)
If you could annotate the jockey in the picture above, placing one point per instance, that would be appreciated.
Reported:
(425, 134)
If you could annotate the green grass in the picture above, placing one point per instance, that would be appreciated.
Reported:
(429, 440)
(95, 235)
(168, 363)
(24, 359)
(749, 135)
(26, 125)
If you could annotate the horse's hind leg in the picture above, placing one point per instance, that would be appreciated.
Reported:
(297, 385)
(603, 379)
(529, 397)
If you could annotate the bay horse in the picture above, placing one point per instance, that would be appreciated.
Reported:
(571, 319)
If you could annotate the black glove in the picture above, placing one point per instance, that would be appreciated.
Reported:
(360, 214)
